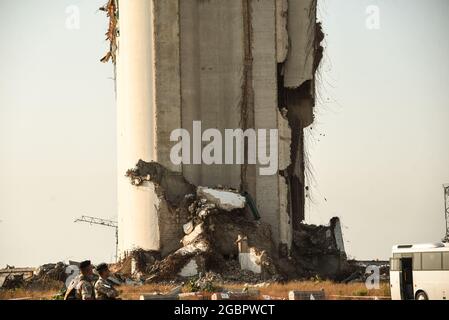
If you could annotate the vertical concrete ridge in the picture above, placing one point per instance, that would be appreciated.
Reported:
(167, 93)
(285, 144)
(265, 103)
(282, 44)
(212, 56)
(299, 66)
(248, 172)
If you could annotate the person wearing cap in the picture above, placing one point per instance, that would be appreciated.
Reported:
(104, 290)
(81, 287)
(84, 289)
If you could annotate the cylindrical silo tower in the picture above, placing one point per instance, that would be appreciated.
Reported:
(137, 215)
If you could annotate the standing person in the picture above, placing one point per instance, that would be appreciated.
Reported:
(81, 287)
(104, 289)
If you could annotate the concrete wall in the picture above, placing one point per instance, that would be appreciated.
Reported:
(265, 102)
(167, 71)
(211, 74)
(229, 64)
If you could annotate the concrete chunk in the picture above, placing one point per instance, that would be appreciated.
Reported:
(191, 237)
(306, 295)
(301, 30)
(225, 200)
(188, 227)
(190, 269)
(234, 296)
(251, 261)
(158, 296)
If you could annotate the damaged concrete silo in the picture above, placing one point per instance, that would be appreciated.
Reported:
(234, 64)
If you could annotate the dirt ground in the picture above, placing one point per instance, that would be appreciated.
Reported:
(332, 290)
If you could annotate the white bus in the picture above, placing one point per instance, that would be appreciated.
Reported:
(420, 272)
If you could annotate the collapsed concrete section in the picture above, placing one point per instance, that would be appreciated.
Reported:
(236, 64)
(320, 250)
(215, 234)
(48, 276)
(209, 222)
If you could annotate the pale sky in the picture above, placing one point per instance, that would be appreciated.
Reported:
(379, 147)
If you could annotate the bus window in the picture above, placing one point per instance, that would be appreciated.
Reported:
(445, 260)
(431, 260)
(417, 261)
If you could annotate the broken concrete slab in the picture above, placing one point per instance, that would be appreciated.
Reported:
(306, 295)
(190, 269)
(158, 296)
(318, 252)
(337, 233)
(225, 200)
(251, 261)
(178, 262)
(191, 237)
(299, 66)
(268, 297)
(249, 258)
(234, 296)
(188, 227)
(174, 186)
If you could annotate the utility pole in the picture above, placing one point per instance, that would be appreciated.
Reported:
(102, 222)
(446, 210)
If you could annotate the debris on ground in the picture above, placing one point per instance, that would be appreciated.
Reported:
(219, 236)
(361, 270)
(216, 221)
(319, 250)
(306, 295)
(50, 275)
(219, 242)
(12, 278)
(13, 281)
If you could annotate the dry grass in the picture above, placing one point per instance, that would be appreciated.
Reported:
(35, 291)
(277, 289)
(273, 289)
(330, 289)
(134, 292)
(31, 294)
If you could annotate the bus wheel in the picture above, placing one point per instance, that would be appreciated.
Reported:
(421, 296)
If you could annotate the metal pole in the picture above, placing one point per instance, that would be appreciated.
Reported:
(446, 210)
(116, 244)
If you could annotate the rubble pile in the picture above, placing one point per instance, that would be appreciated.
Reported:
(220, 240)
(51, 271)
(216, 221)
(12, 281)
(361, 270)
(317, 250)
(52, 275)
(222, 237)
